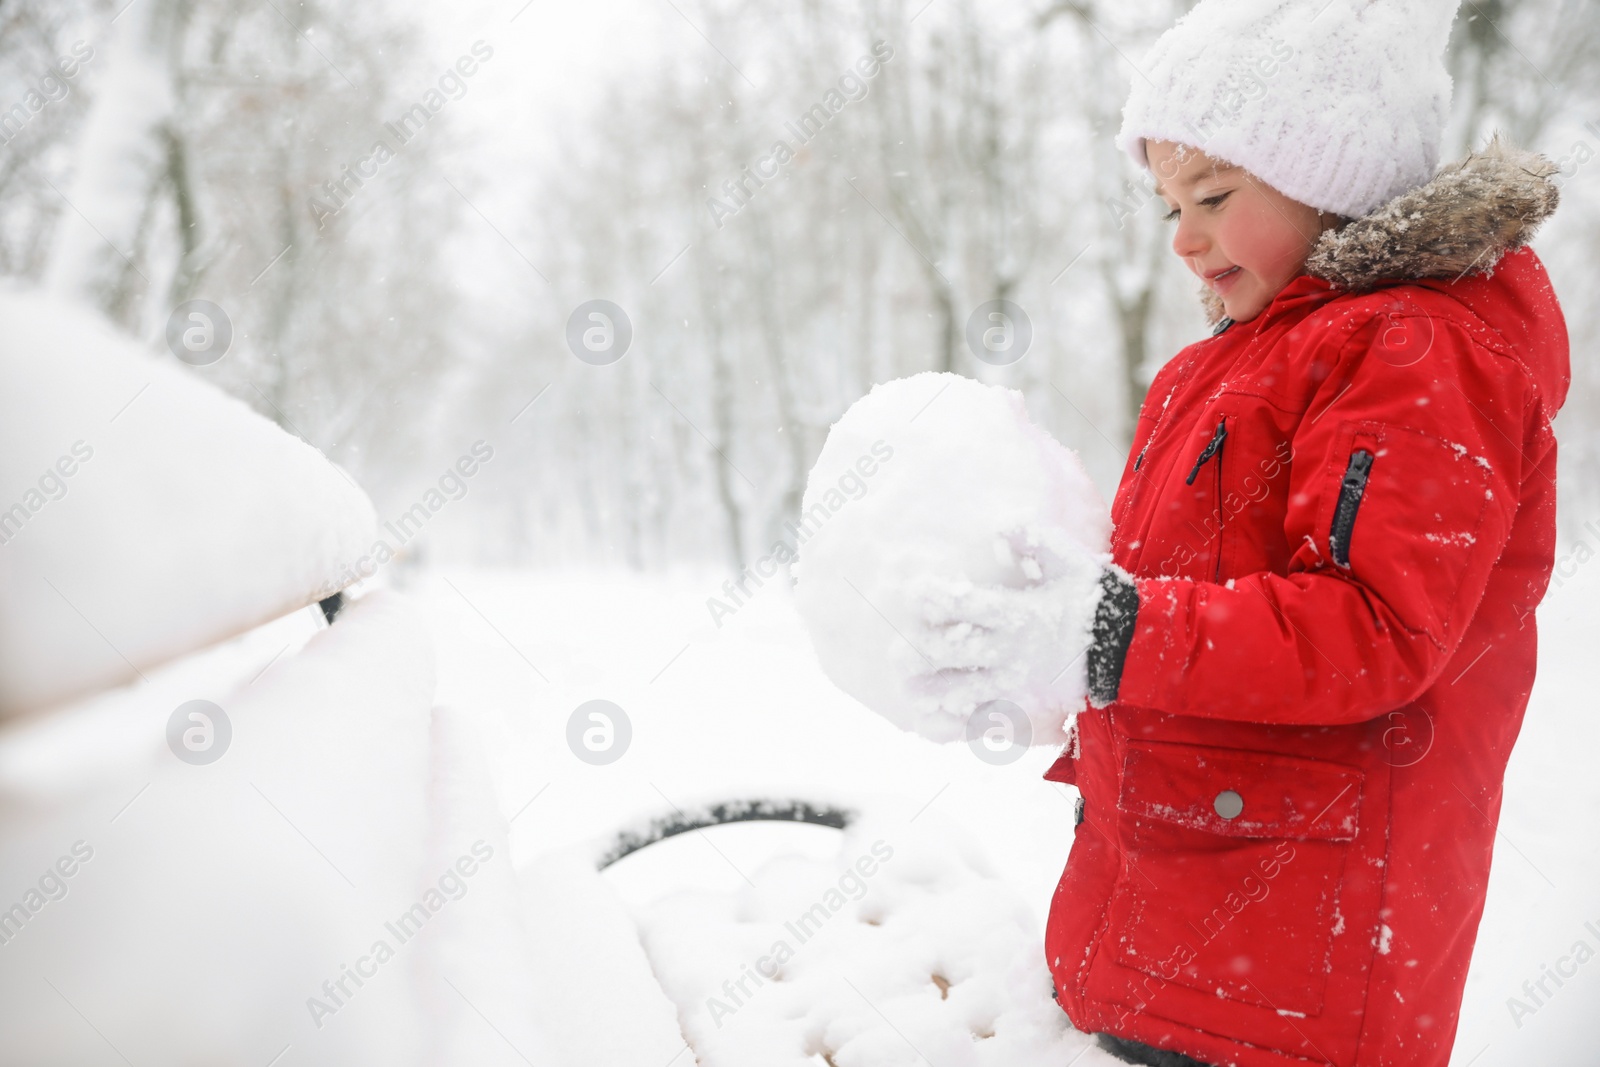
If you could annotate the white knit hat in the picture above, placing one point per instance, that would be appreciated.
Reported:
(1339, 104)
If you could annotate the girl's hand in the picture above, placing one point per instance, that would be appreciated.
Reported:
(1023, 641)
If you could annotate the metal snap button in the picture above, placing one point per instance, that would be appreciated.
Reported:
(1228, 804)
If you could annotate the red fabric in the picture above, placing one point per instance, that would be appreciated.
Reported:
(1363, 713)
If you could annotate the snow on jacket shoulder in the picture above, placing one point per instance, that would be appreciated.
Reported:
(1339, 517)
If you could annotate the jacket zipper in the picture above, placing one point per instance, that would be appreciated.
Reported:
(1222, 515)
(1221, 325)
(1213, 446)
(1351, 490)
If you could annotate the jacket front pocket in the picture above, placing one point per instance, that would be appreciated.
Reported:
(1233, 862)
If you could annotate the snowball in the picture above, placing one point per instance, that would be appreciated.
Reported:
(935, 494)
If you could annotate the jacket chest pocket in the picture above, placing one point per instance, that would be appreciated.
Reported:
(1405, 512)
(1234, 862)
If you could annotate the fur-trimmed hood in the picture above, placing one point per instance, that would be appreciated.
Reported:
(1462, 220)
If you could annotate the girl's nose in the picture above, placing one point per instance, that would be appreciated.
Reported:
(1187, 240)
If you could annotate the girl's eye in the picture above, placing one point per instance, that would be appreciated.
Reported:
(1169, 216)
(1213, 201)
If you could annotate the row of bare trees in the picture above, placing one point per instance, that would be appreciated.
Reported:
(954, 175)
(182, 164)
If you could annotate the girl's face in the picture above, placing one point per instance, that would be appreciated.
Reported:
(1242, 237)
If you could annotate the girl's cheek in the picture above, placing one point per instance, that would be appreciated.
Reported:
(1263, 241)
(1244, 241)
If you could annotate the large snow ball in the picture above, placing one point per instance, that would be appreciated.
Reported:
(939, 484)
(144, 513)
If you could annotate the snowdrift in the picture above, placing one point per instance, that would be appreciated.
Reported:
(143, 513)
(210, 907)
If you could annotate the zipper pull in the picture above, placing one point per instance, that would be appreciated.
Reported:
(1212, 448)
(1140, 457)
(1355, 475)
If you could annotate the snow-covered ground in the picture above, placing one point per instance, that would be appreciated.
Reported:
(744, 711)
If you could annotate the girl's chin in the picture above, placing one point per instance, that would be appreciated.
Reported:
(1242, 308)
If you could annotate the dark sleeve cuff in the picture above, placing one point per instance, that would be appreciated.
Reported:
(1114, 619)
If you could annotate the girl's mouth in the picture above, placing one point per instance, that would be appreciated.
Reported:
(1224, 281)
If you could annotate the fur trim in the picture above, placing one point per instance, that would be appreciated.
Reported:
(1462, 220)
(1465, 219)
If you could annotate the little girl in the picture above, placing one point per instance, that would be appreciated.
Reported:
(1313, 653)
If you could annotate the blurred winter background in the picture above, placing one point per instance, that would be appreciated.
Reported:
(399, 308)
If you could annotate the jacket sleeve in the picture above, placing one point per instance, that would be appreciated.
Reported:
(1418, 460)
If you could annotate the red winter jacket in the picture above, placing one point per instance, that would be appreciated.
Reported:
(1340, 516)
